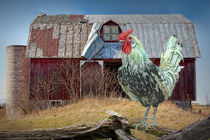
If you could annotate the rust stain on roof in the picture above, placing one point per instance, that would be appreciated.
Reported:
(75, 17)
(44, 41)
(57, 36)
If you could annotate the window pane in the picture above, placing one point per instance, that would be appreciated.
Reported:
(114, 29)
(106, 37)
(106, 29)
(114, 36)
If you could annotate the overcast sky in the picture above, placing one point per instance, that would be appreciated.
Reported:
(16, 16)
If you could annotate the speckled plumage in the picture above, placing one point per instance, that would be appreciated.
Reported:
(140, 85)
(146, 82)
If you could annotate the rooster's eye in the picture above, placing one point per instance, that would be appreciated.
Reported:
(133, 43)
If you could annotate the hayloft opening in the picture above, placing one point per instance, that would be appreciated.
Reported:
(109, 31)
(112, 66)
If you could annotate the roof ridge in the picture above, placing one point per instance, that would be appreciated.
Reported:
(119, 18)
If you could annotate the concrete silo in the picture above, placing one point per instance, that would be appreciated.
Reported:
(17, 77)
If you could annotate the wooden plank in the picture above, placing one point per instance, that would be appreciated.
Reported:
(198, 130)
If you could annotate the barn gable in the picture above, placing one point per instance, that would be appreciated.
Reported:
(65, 36)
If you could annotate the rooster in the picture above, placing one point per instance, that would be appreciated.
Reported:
(144, 81)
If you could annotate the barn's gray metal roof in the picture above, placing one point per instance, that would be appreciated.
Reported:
(138, 18)
(69, 33)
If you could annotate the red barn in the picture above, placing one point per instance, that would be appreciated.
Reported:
(57, 38)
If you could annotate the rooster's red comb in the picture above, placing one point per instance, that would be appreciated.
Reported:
(124, 35)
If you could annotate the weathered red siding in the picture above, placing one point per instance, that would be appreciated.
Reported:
(185, 89)
(51, 75)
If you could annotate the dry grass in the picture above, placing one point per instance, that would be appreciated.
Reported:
(204, 109)
(93, 110)
(142, 135)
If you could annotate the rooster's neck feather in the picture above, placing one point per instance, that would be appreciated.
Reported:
(137, 57)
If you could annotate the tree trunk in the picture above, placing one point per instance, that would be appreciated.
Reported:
(199, 130)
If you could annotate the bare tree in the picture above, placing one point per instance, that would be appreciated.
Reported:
(35, 93)
(101, 84)
(66, 79)
(62, 79)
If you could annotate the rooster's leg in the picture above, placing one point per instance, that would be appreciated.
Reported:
(144, 122)
(146, 116)
(154, 117)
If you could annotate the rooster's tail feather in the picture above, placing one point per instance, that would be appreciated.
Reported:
(169, 63)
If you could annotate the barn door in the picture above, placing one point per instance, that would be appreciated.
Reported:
(91, 73)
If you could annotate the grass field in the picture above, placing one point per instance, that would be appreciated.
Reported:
(94, 110)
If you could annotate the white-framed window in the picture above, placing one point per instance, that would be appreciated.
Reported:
(110, 32)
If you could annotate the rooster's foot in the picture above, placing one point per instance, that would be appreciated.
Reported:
(151, 124)
(147, 118)
(143, 122)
